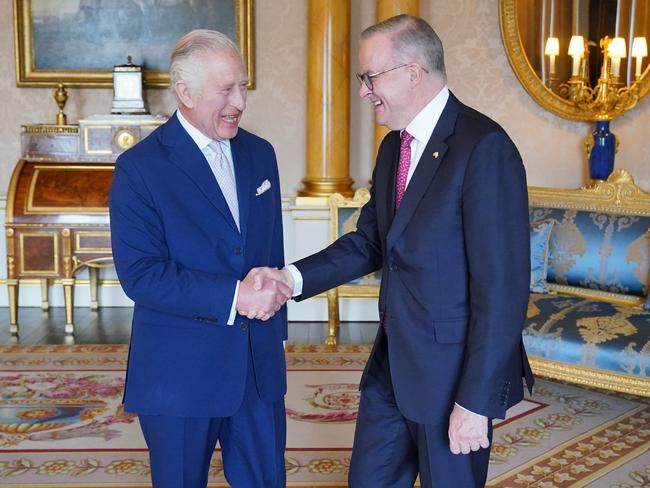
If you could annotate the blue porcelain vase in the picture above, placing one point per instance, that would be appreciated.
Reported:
(601, 159)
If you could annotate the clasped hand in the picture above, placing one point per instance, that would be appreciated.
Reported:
(263, 292)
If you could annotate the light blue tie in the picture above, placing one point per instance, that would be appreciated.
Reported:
(225, 178)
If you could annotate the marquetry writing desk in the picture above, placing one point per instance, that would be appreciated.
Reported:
(57, 222)
(57, 205)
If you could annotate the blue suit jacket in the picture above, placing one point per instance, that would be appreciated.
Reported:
(178, 255)
(456, 271)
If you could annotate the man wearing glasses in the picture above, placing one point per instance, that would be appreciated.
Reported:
(447, 223)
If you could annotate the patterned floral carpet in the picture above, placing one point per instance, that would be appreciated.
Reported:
(61, 424)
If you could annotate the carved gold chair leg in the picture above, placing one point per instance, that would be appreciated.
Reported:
(12, 290)
(93, 274)
(332, 316)
(45, 303)
(68, 295)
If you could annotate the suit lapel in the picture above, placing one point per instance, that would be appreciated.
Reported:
(185, 154)
(243, 164)
(433, 154)
(384, 184)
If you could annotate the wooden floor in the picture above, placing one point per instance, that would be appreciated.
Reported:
(112, 325)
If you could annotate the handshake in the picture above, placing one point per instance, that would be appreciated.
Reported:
(263, 292)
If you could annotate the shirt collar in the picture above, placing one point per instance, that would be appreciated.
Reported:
(422, 126)
(197, 136)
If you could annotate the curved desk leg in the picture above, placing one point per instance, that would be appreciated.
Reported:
(12, 290)
(45, 303)
(93, 274)
(68, 295)
(332, 316)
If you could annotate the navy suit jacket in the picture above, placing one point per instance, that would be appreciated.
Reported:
(178, 254)
(456, 268)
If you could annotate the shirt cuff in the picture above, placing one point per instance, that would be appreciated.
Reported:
(297, 280)
(463, 408)
(233, 309)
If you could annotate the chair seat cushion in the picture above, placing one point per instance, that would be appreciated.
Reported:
(588, 333)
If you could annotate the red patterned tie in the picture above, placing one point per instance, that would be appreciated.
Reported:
(403, 167)
(400, 185)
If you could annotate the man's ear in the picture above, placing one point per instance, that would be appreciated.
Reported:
(415, 73)
(184, 93)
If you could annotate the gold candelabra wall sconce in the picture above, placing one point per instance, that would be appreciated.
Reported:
(599, 80)
(611, 96)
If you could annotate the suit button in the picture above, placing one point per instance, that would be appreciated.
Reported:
(238, 251)
(243, 326)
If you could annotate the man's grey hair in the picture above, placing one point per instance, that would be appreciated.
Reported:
(187, 56)
(414, 40)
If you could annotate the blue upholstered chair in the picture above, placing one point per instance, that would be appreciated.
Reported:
(592, 328)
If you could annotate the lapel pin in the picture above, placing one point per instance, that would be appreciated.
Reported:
(435, 154)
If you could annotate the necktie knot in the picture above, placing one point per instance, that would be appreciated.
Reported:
(217, 151)
(406, 138)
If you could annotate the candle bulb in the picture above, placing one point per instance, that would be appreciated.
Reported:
(639, 51)
(552, 49)
(576, 51)
(617, 51)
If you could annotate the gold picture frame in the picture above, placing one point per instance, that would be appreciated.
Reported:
(30, 74)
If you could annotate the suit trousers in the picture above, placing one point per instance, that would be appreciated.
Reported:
(252, 444)
(390, 450)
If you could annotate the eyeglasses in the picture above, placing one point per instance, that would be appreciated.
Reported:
(366, 78)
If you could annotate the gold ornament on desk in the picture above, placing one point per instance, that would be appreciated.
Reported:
(61, 97)
(124, 138)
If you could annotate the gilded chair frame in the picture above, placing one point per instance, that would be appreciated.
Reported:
(618, 195)
(337, 201)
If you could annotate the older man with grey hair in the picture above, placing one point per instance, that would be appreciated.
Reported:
(193, 208)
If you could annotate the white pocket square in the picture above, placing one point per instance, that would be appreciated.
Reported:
(266, 185)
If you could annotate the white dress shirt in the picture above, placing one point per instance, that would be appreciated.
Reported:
(203, 141)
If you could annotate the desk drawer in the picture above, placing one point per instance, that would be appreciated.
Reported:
(92, 242)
